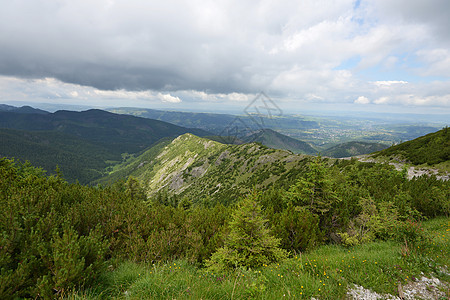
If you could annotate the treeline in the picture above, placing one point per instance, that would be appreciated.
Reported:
(57, 236)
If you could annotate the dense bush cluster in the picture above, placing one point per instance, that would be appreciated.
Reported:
(55, 236)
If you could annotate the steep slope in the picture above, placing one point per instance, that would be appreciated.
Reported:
(431, 149)
(76, 158)
(276, 140)
(195, 167)
(353, 149)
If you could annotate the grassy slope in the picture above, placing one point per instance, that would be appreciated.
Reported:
(324, 273)
(195, 167)
(431, 149)
(353, 149)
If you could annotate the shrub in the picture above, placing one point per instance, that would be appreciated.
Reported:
(249, 243)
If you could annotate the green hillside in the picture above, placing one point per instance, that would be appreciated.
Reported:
(77, 159)
(431, 149)
(119, 133)
(82, 144)
(193, 167)
(353, 149)
(276, 140)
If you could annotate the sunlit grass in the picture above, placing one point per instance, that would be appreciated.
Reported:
(324, 273)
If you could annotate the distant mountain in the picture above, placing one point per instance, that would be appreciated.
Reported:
(119, 133)
(22, 110)
(208, 121)
(218, 123)
(276, 140)
(431, 149)
(353, 149)
(81, 143)
(194, 167)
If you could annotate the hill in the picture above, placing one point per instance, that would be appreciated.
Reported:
(216, 123)
(81, 143)
(22, 110)
(353, 149)
(76, 158)
(192, 167)
(431, 149)
(119, 133)
(276, 140)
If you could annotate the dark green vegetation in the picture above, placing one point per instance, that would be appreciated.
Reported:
(275, 140)
(350, 149)
(82, 144)
(431, 149)
(77, 158)
(57, 236)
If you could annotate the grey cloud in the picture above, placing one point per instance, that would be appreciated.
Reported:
(287, 47)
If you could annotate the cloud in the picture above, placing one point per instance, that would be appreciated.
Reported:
(362, 100)
(226, 51)
(383, 83)
(169, 98)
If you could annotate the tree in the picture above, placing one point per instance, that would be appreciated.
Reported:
(249, 243)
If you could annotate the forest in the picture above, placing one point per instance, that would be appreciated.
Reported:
(58, 238)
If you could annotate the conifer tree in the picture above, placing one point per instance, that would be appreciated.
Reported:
(249, 243)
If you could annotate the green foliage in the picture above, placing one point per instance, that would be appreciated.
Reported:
(297, 228)
(316, 192)
(323, 273)
(43, 252)
(430, 149)
(249, 243)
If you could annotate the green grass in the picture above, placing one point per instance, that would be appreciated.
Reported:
(324, 273)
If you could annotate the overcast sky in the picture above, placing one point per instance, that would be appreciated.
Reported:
(380, 55)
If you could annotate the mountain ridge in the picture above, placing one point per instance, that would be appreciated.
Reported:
(190, 166)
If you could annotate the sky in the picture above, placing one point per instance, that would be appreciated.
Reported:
(342, 55)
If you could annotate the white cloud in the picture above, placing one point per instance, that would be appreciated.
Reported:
(169, 98)
(383, 83)
(226, 51)
(362, 100)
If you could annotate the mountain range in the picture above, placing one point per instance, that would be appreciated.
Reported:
(80, 142)
(90, 144)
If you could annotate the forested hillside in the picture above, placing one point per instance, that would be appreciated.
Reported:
(431, 149)
(353, 149)
(82, 144)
